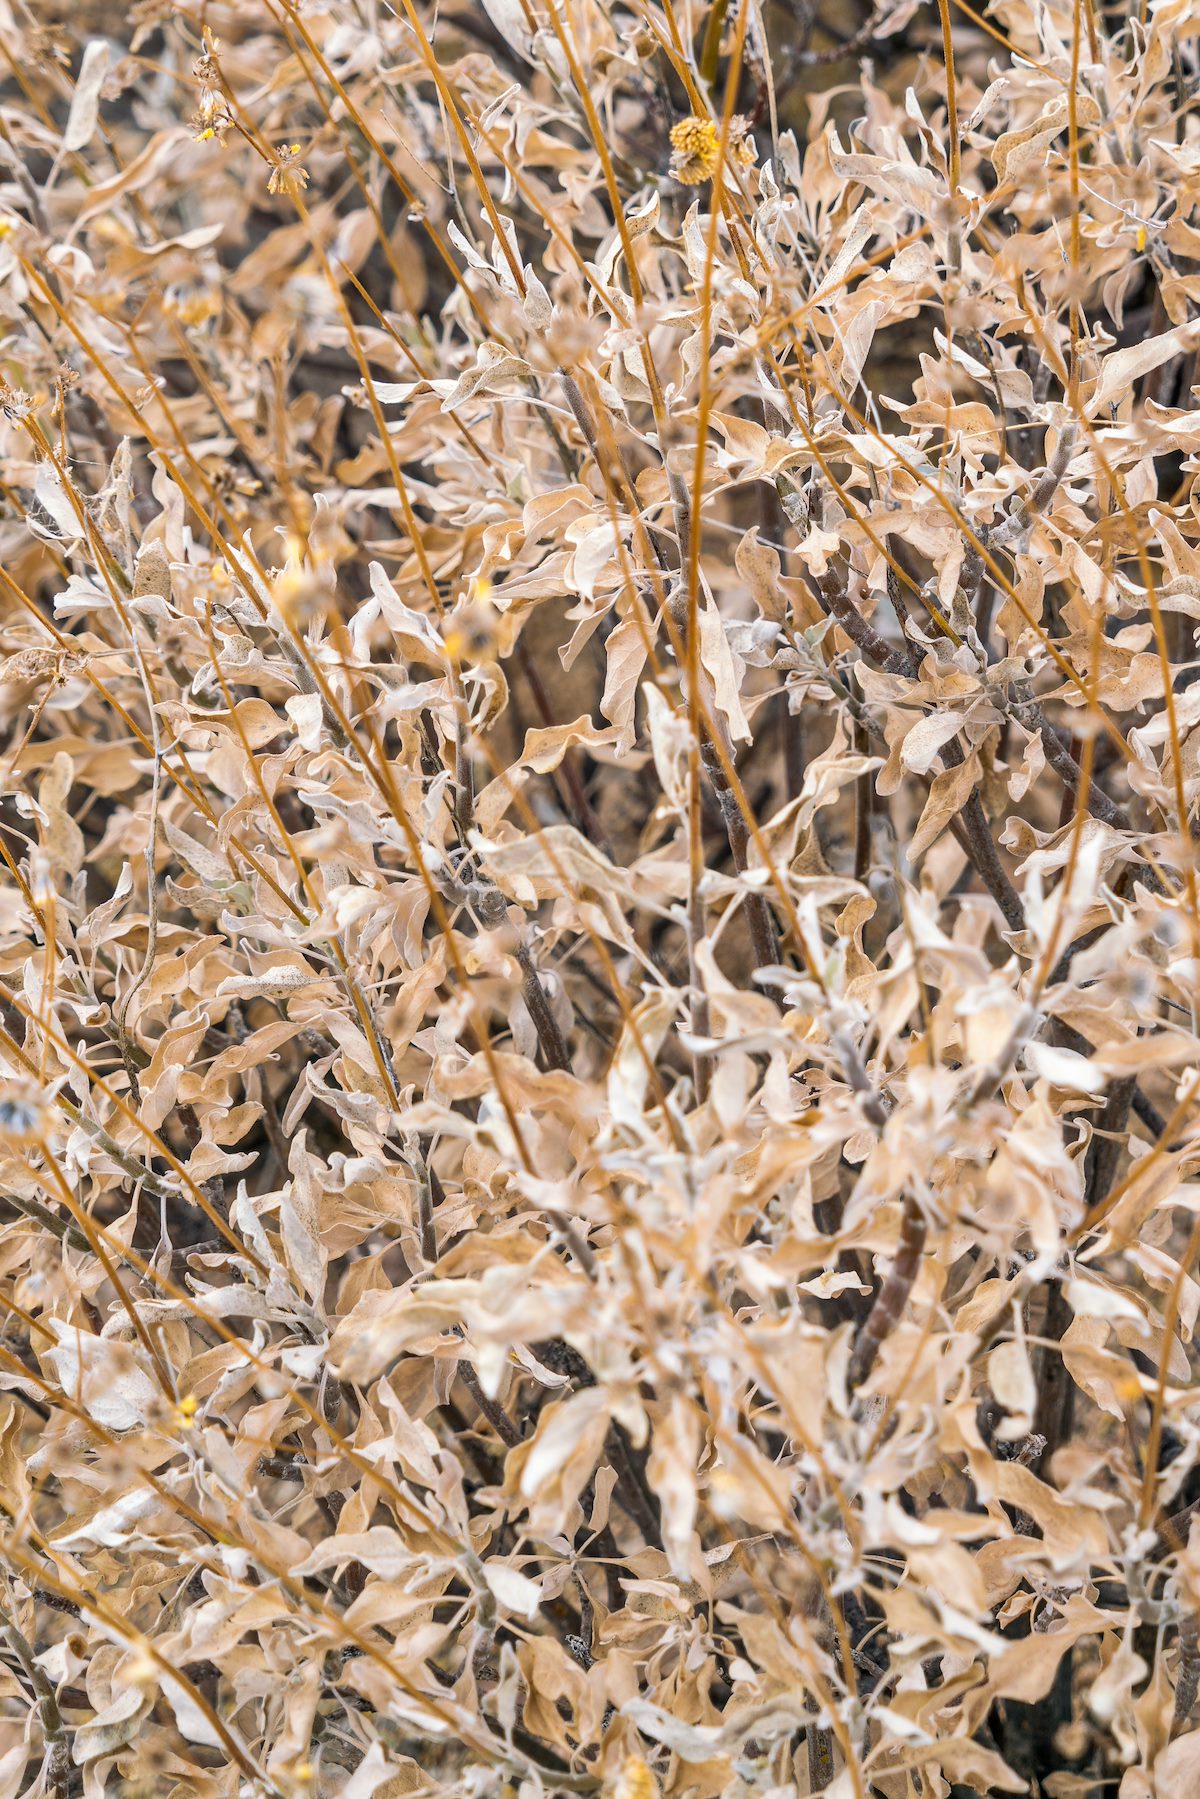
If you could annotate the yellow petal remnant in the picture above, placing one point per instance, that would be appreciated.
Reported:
(196, 308)
(635, 1781)
(470, 632)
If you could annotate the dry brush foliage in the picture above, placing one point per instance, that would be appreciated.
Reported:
(599, 951)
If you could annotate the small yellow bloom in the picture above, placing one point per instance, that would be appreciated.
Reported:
(197, 308)
(696, 145)
(635, 1781)
(185, 1411)
(470, 632)
(1141, 239)
(696, 148)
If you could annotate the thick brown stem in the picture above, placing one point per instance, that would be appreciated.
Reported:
(495, 1413)
(577, 799)
(764, 942)
(1056, 1390)
(1187, 1676)
(892, 1297)
(976, 836)
(856, 627)
(864, 796)
(794, 758)
(550, 1038)
(54, 1734)
(1058, 755)
(425, 1195)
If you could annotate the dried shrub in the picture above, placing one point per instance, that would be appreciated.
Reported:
(599, 952)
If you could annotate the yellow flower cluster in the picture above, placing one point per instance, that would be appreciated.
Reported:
(696, 148)
(696, 144)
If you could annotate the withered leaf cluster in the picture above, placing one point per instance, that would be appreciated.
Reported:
(599, 947)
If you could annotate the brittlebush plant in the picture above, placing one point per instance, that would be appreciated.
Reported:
(598, 925)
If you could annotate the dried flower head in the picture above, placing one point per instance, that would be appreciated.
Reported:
(206, 69)
(212, 118)
(15, 404)
(742, 148)
(287, 176)
(48, 44)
